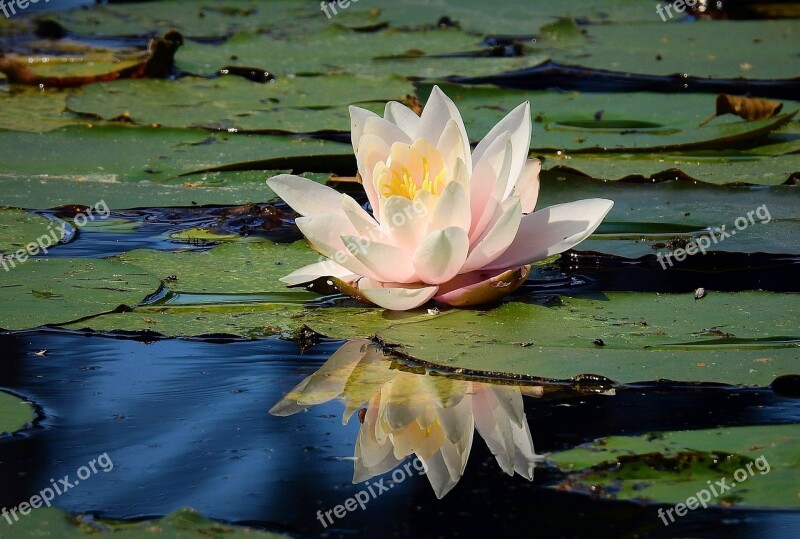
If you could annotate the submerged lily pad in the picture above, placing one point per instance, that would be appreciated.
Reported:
(670, 467)
(182, 524)
(15, 413)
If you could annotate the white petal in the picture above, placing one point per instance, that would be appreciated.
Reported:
(440, 256)
(305, 196)
(498, 236)
(451, 146)
(406, 222)
(437, 112)
(518, 123)
(403, 117)
(325, 268)
(452, 209)
(527, 188)
(362, 222)
(388, 263)
(324, 234)
(386, 130)
(488, 182)
(373, 151)
(399, 299)
(553, 230)
(358, 119)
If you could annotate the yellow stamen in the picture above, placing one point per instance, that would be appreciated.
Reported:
(403, 184)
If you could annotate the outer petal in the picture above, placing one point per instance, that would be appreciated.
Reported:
(325, 268)
(363, 222)
(438, 110)
(488, 183)
(373, 150)
(305, 196)
(358, 119)
(324, 234)
(398, 299)
(499, 234)
(479, 287)
(553, 230)
(518, 123)
(403, 117)
(386, 130)
(389, 263)
(440, 256)
(527, 188)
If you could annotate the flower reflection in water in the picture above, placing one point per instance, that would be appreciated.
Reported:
(434, 417)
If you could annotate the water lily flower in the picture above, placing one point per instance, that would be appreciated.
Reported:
(433, 417)
(448, 224)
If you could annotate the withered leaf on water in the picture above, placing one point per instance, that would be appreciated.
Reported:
(749, 108)
(158, 64)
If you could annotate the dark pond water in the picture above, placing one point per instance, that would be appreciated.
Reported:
(186, 423)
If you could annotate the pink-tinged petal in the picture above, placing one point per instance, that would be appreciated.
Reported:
(452, 209)
(437, 112)
(405, 221)
(372, 152)
(499, 234)
(324, 233)
(358, 119)
(386, 130)
(527, 188)
(451, 146)
(518, 123)
(325, 268)
(402, 116)
(480, 287)
(305, 196)
(387, 262)
(553, 230)
(488, 182)
(398, 299)
(439, 257)
(362, 222)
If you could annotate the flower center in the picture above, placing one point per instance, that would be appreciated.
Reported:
(402, 182)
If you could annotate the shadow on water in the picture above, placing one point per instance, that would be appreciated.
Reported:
(186, 423)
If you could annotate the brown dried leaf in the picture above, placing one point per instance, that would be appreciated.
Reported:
(749, 108)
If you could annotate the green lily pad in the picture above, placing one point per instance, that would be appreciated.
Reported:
(181, 524)
(648, 219)
(670, 467)
(641, 337)
(58, 290)
(19, 229)
(291, 105)
(638, 123)
(15, 413)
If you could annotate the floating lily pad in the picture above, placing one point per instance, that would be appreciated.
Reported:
(670, 467)
(182, 524)
(14, 413)
(57, 290)
(626, 337)
(19, 228)
(293, 105)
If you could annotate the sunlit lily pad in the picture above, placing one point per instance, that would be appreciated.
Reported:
(627, 337)
(673, 466)
(19, 228)
(14, 413)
